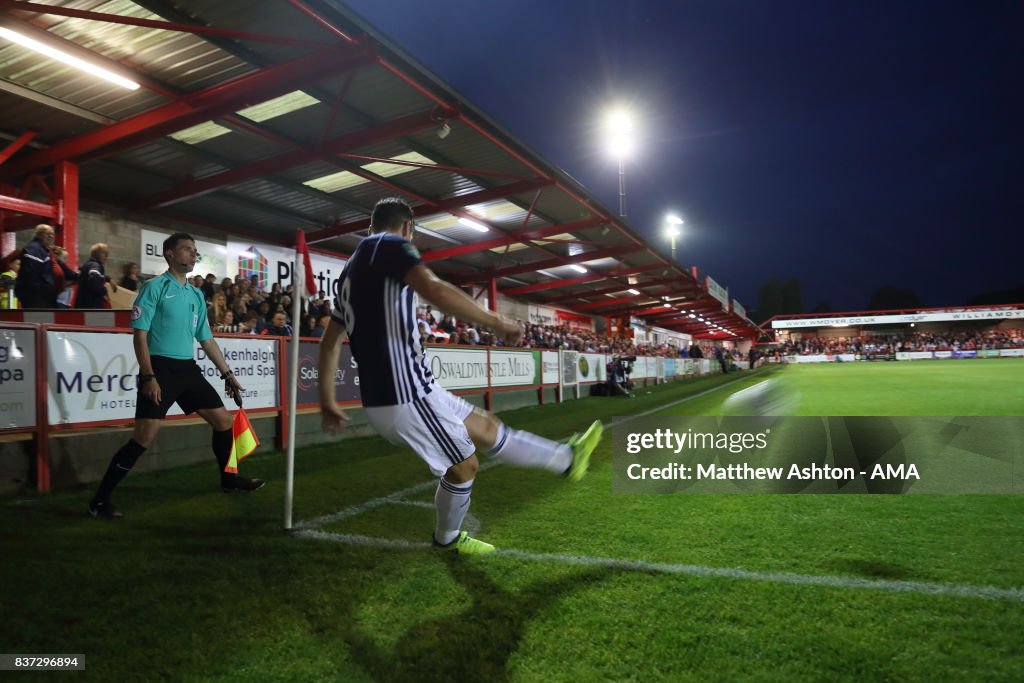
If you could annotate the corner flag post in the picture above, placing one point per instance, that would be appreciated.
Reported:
(293, 377)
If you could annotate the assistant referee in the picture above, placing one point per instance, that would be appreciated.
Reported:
(168, 317)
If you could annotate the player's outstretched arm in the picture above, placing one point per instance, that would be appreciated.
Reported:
(451, 299)
(333, 417)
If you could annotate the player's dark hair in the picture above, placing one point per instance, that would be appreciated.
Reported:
(389, 213)
(171, 243)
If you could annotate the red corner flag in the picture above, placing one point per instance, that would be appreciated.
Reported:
(302, 248)
(243, 443)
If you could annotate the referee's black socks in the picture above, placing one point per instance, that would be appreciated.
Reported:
(122, 463)
(222, 442)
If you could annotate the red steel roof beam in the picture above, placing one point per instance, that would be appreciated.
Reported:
(554, 263)
(601, 304)
(523, 236)
(195, 108)
(367, 136)
(436, 206)
(26, 206)
(618, 287)
(583, 279)
(12, 149)
(553, 284)
(23, 6)
(440, 167)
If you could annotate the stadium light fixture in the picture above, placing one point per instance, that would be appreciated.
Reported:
(633, 291)
(469, 223)
(67, 58)
(618, 128)
(673, 222)
(578, 268)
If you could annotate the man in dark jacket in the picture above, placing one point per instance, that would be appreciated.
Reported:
(35, 286)
(92, 278)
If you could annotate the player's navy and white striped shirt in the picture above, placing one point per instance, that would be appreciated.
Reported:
(378, 310)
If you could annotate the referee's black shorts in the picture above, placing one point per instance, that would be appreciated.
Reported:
(181, 382)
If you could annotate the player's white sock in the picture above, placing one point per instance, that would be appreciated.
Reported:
(451, 503)
(521, 448)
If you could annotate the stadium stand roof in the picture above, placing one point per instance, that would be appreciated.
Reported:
(262, 118)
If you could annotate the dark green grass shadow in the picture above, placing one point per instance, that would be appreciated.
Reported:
(474, 643)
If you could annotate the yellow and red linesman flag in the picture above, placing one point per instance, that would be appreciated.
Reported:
(243, 443)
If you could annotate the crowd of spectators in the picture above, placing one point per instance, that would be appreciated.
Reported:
(961, 340)
(436, 328)
(242, 306)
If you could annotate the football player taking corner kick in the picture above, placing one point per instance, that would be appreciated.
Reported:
(375, 308)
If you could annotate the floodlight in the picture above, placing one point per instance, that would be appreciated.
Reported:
(469, 223)
(66, 58)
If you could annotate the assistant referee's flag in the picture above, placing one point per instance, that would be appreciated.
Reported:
(243, 443)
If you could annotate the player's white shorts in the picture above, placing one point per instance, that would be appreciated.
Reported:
(432, 426)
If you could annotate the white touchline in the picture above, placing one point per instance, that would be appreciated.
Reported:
(940, 589)
(308, 529)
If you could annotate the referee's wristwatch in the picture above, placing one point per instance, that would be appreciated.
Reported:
(145, 378)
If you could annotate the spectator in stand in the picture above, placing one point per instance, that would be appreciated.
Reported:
(217, 307)
(275, 295)
(8, 279)
(226, 323)
(278, 326)
(248, 324)
(209, 286)
(65, 290)
(36, 285)
(447, 325)
(131, 280)
(307, 325)
(230, 294)
(92, 279)
(720, 357)
(695, 351)
(321, 325)
(263, 316)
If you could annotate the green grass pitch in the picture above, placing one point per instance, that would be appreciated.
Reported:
(194, 585)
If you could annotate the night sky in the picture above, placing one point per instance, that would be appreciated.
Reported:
(849, 144)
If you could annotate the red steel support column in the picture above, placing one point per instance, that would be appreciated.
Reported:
(65, 184)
